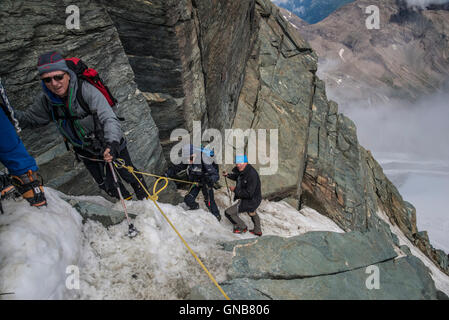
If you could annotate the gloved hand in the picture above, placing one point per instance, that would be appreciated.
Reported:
(112, 151)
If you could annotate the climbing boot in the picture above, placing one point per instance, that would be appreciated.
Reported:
(30, 187)
(194, 206)
(259, 234)
(237, 230)
(256, 220)
(6, 188)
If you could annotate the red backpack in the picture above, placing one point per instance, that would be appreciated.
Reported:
(84, 73)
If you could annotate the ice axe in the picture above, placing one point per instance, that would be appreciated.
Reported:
(227, 188)
(132, 231)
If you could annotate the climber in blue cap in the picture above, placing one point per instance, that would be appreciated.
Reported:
(248, 193)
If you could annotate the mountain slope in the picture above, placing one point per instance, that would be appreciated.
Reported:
(258, 76)
(407, 57)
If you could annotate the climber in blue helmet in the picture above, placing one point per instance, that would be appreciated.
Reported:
(202, 170)
(248, 193)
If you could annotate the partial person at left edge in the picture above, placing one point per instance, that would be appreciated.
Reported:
(22, 167)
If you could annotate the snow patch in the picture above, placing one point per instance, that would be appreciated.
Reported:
(37, 245)
(441, 280)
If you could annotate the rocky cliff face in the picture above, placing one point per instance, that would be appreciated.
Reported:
(228, 64)
(188, 58)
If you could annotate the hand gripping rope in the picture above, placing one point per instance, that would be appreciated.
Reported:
(120, 163)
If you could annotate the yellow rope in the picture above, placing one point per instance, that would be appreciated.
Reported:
(121, 164)
(155, 197)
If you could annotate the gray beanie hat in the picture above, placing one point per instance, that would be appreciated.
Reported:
(51, 61)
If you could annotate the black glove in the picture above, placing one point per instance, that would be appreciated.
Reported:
(114, 146)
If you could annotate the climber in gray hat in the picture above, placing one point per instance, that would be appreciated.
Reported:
(95, 134)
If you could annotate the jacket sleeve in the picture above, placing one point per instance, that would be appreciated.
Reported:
(249, 191)
(35, 116)
(235, 173)
(98, 103)
(173, 170)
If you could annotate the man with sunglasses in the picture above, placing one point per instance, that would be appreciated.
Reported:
(96, 137)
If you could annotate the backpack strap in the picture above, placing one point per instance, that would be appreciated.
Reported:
(79, 97)
(82, 102)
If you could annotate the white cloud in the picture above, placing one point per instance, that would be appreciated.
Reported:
(425, 3)
(278, 2)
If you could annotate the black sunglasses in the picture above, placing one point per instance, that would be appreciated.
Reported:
(57, 77)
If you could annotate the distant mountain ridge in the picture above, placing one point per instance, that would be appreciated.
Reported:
(311, 11)
(407, 57)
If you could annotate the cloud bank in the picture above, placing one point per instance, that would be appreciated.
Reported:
(424, 3)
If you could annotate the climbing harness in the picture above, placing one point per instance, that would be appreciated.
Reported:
(119, 163)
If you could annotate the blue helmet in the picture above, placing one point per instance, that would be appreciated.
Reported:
(241, 159)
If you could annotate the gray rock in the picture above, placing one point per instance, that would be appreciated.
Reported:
(404, 279)
(308, 255)
(106, 216)
(321, 265)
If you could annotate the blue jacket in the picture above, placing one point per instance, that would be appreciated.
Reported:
(13, 154)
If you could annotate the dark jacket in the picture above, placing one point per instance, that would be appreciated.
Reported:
(79, 131)
(196, 172)
(247, 189)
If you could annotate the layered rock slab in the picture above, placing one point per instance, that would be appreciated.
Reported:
(322, 265)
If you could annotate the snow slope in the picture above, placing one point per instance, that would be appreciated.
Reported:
(37, 246)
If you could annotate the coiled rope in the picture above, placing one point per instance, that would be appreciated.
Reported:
(120, 163)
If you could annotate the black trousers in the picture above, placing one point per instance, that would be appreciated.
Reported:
(208, 193)
(102, 175)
